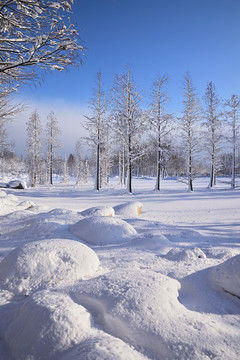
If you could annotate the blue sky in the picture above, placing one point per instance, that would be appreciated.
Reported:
(154, 36)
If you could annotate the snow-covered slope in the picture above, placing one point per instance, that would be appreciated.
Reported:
(77, 284)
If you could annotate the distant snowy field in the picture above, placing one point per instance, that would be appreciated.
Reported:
(87, 275)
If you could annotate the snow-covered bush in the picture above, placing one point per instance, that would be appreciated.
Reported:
(47, 264)
(102, 230)
(227, 275)
(129, 209)
(178, 254)
(99, 211)
(46, 324)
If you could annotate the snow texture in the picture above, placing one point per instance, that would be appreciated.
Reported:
(47, 264)
(102, 230)
(129, 209)
(99, 211)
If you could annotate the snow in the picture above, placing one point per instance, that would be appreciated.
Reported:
(102, 230)
(131, 208)
(99, 211)
(46, 264)
(77, 284)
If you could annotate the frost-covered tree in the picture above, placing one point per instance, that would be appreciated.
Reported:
(78, 157)
(36, 34)
(96, 125)
(128, 118)
(233, 106)
(53, 142)
(213, 124)
(7, 111)
(34, 146)
(159, 120)
(188, 123)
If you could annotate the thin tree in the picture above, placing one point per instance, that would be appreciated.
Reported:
(36, 34)
(159, 120)
(127, 116)
(213, 124)
(34, 146)
(78, 156)
(233, 105)
(53, 143)
(96, 125)
(7, 111)
(189, 122)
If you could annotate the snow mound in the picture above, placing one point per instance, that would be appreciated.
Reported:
(132, 208)
(151, 242)
(47, 264)
(53, 323)
(8, 203)
(103, 347)
(178, 254)
(227, 275)
(2, 194)
(26, 204)
(17, 184)
(99, 211)
(103, 230)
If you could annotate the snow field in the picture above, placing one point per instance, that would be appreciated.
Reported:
(151, 288)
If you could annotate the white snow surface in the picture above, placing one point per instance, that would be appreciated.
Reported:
(102, 230)
(47, 264)
(131, 208)
(161, 284)
(99, 211)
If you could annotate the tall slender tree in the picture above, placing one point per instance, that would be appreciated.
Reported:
(34, 146)
(96, 125)
(159, 120)
(128, 117)
(188, 124)
(233, 106)
(213, 124)
(53, 142)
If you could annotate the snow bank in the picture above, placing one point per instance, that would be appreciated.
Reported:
(52, 323)
(103, 347)
(102, 230)
(8, 203)
(47, 264)
(151, 242)
(99, 211)
(129, 209)
(227, 275)
(17, 184)
(178, 254)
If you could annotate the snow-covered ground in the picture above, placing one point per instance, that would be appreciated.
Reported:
(112, 276)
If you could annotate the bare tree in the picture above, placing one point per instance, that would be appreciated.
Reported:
(128, 117)
(78, 157)
(212, 117)
(233, 105)
(189, 123)
(53, 143)
(34, 145)
(36, 34)
(7, 110)
(159, 120)
(96, 125)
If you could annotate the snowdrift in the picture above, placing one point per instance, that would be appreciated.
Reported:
(227, 275)
(52, 324)
(47, 264)
(178, 254)
(102, 230)
(99, 211)
(129, 209)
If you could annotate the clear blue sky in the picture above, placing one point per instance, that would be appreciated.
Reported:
(155, 37)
